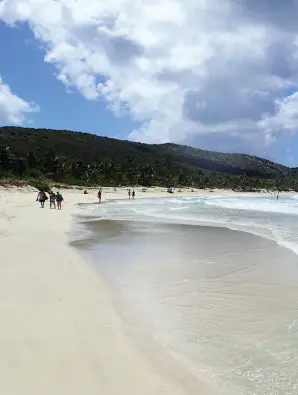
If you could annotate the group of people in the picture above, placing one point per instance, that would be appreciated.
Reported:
(131, 194)
(54, 198)
(57, 198)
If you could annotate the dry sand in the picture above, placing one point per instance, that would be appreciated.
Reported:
(59, 332)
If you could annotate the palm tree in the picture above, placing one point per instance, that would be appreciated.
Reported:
(109, 171)
(78, 168)
(146, 174)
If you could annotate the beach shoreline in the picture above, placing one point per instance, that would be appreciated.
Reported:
(220, 301)
(60, 333)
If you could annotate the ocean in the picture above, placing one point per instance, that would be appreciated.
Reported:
(210, 282)
(263, 216)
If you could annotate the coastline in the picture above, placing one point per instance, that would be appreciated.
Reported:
(227, 312)
(60, 333)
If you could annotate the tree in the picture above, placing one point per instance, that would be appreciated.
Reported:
(79, 158)
(21, 166)
(4, 158)
(78, 168)
(32, 160)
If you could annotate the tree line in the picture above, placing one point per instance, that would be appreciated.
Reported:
(50, 167)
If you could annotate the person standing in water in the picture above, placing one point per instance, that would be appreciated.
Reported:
(99, 196)
(133, 194)
(59, 200)
(52, 199)
(41, 197)
(129, 193)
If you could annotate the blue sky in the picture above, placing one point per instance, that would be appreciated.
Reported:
(208, 74)
(23, 68)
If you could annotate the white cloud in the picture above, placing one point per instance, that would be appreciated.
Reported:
(12, 108)
(185, 69)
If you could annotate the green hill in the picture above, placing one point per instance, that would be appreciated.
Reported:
(86, 158)
(226, 163)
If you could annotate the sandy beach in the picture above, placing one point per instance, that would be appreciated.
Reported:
(59, 332)
(62, 333)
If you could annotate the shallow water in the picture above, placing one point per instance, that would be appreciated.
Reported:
(264, 216)
(224, 302)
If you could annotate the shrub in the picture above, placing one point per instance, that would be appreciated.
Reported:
(34, 173)
(41, 185)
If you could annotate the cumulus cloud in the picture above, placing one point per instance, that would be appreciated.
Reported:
(13, 109)
(185, 70)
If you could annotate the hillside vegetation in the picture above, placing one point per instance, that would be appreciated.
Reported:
(82, 158)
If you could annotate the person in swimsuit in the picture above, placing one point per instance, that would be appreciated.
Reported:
(99, 196)
(133, 194)
(41, 197)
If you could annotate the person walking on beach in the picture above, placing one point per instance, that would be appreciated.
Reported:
(99, 196)
(52, 199)
(59, 200)
(129, 194)
(133, 194)
(41, 197)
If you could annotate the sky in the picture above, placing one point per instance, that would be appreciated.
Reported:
(215, 74)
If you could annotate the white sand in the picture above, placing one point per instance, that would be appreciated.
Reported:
(59, 333)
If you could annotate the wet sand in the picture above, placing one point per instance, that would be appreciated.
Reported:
(221, 303)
